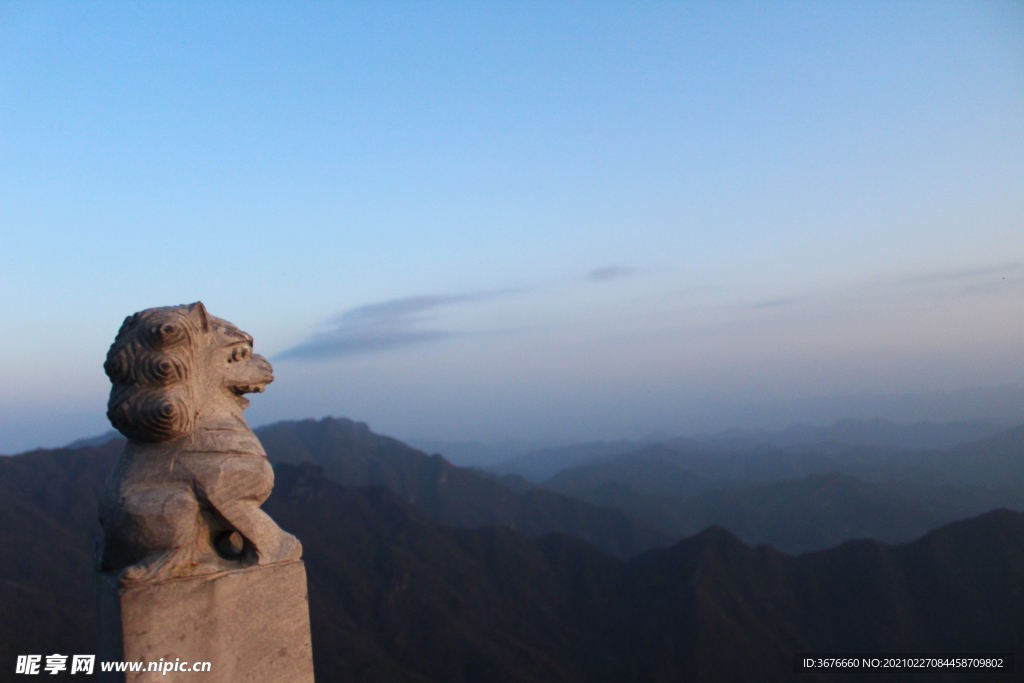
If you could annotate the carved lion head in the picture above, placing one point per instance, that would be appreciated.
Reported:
(170, 365)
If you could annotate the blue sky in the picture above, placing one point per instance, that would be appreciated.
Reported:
(516, 220)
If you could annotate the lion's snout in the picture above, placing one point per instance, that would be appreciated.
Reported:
(251, 377)
(264, 369)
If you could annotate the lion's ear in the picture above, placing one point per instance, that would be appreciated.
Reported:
(198, 313)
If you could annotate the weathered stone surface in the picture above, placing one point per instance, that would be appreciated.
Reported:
(252, 625)
(189, 568)
(184, 499)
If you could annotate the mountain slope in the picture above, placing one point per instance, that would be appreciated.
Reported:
(996, 461)
(743, 612)
(708, 608)
(352, 455)
(394, 596)
(49, 502)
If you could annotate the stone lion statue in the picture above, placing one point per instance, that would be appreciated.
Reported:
(184, 498)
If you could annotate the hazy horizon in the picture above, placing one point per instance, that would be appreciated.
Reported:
(1001, 407)
(538, 222)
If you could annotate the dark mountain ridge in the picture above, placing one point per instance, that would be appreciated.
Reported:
(49, 503)
(709, 608)
(352, 455)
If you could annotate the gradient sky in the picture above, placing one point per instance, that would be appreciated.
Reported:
(515, 220)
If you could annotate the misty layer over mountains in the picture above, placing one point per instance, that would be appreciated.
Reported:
(538, 464)
(933, 420)
(626, 498)
(802, 489)
(797, 496)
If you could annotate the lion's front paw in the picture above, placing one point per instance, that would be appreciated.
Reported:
(288, 549)
(166, 565)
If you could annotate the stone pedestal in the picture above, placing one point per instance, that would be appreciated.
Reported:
(251, 625)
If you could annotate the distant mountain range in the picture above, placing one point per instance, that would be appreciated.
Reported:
(541, 464)
(397, 596)
(920, 435)
(627, 497)
(686, 465)
(804, 498)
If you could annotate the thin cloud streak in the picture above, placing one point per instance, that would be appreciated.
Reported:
(382, 326)
(396, 309)
(946, 283)
(608, 273)
(413, 321)
(958, 275)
